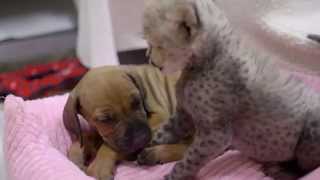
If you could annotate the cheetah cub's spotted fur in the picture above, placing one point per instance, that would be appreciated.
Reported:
(234, 95)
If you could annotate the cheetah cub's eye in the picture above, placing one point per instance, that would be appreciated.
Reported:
(186, 29)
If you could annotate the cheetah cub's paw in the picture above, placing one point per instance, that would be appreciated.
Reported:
(148, 157)
(162, 154)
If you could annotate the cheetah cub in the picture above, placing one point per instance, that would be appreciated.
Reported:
(234, 95)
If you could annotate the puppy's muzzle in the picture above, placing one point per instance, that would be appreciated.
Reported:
(137, 136)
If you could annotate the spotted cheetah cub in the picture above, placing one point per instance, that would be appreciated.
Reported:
(234, 95)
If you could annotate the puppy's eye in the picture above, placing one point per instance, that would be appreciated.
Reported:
(105, 119)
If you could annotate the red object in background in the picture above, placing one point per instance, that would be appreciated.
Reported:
(35, 81)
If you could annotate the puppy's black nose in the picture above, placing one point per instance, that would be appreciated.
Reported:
(137, 136)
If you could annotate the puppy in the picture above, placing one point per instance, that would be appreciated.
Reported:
(234, 95)
(122, 106)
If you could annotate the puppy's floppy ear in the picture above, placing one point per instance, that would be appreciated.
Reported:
(138, 83)
(190, 20)
(71, 120)
(92, 142)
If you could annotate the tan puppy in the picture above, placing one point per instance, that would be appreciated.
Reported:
(122, 106)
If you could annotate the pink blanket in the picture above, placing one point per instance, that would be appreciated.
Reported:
(36, 143)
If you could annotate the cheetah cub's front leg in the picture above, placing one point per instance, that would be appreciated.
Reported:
(207, 143)
(174, 130)
(161, 154)
(170, 141)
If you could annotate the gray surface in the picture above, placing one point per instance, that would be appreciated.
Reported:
(38, 47)
(21, 19)
(43, 44)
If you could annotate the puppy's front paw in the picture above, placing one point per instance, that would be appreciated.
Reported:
(148, 157)
(99, 174)
(75, 155)
(100, 171)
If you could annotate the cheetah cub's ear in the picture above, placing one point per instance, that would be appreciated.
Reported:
(171, 27)
(188, 21)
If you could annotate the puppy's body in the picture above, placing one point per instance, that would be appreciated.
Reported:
(122, 105)
(235, 96)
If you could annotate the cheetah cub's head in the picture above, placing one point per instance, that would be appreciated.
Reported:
(178, 31)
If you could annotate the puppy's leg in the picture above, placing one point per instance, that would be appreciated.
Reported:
(207, 142)
(178, 127)
(160, 154)
(76, 155)
(91, 143)
(103, 165)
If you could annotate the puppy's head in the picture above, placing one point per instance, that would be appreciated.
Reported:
(112, 102)
(123, 122)
(178, 31)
